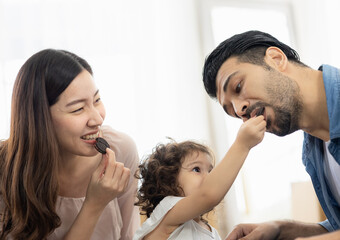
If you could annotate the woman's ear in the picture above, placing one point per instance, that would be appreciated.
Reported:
(276, 58)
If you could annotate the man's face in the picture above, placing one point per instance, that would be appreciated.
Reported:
(245, 89)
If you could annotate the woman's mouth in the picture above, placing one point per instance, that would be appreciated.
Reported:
(90, 136)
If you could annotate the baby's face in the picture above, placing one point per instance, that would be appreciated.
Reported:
(194, 169)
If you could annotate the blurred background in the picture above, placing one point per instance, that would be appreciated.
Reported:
(147, 57)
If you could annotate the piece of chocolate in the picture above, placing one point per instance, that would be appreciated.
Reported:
(260, 112)
(101, 145)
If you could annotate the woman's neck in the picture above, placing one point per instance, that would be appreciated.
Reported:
(75, 173)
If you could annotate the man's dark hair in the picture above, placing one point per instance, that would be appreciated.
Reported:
(248, 47)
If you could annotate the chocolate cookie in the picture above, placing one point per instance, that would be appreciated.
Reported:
(101, 145)
(260, 112)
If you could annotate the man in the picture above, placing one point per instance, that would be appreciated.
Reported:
(253, 73)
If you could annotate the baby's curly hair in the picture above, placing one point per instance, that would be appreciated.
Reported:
(159, 171)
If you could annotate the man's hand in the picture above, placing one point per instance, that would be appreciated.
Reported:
(281, 230)
(263, 231)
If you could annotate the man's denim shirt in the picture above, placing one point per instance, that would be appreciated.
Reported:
(313, 149)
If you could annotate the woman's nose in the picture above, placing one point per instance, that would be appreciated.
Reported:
(96, 118)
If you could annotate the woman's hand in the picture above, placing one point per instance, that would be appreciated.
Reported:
(108, 181)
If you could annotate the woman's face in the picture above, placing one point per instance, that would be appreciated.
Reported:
(77, 116)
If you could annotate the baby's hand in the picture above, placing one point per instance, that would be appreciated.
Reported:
(252, 132)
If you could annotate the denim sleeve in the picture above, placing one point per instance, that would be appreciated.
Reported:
(327, 225)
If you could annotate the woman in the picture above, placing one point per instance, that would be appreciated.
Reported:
(54, 184)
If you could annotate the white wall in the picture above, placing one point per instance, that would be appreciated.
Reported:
(146, 57)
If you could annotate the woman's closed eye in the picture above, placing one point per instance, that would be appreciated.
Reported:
(77, 110)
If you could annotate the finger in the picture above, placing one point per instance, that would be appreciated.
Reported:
(126, 177)
(234, 235)
(255, 120)
(111, 166)
(259, 118)
(259, 121)
(98, 173)
(263, 125)
(116, 177)
(111, 154)
(251, 236)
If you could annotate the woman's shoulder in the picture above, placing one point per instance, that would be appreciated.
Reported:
(121, 143)
(116, 137)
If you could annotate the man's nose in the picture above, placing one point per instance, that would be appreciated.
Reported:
(240, 108)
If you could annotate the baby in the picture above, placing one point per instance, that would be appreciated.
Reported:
(179, 184)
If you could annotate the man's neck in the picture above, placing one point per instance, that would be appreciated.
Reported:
(314, 117)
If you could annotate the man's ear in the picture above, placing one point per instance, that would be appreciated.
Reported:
(276, 58)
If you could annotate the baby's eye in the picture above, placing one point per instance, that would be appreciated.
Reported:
(196, 169)
(98, 100)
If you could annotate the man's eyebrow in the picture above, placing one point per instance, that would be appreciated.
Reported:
(80, 100)
(225, 85)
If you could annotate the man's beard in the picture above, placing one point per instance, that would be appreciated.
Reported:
(285, 101)
(286, 122)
